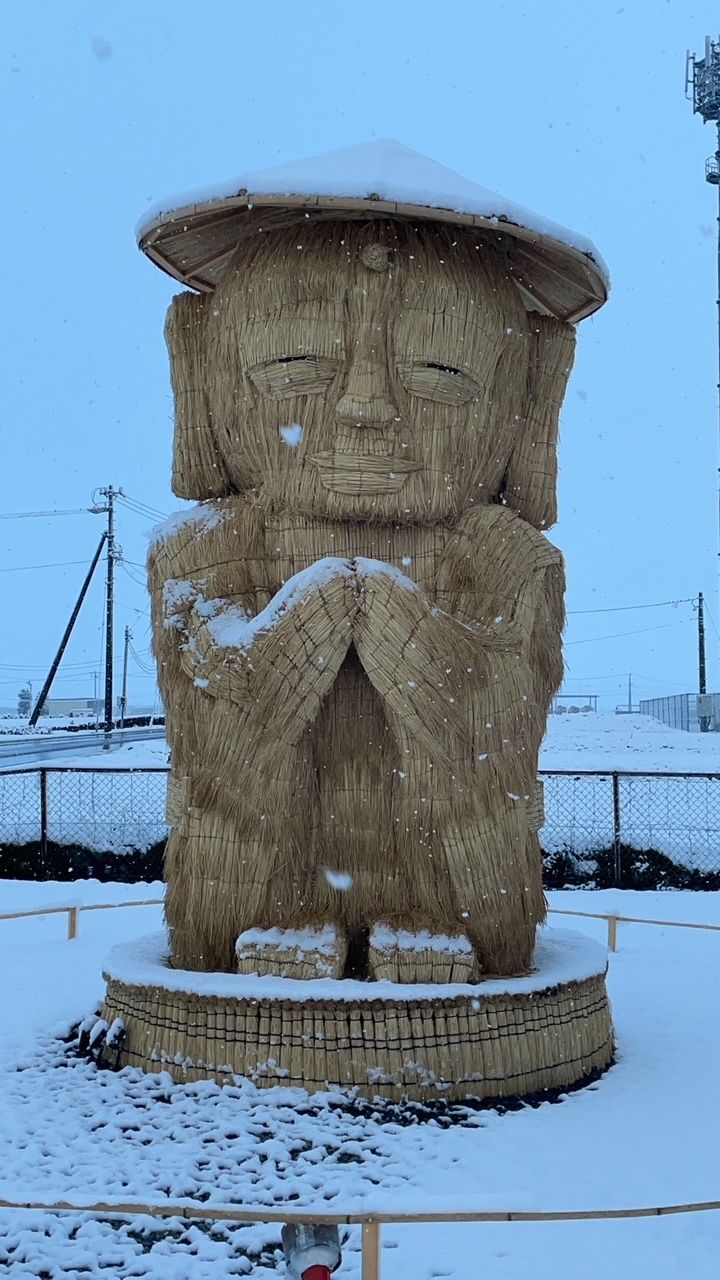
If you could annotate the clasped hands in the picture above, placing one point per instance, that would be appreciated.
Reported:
(282, 663)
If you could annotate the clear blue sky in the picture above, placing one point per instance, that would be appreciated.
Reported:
(573, 109)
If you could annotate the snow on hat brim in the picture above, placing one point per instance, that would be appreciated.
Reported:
(194, 237)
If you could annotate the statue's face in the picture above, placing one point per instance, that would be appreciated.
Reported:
(359, 370)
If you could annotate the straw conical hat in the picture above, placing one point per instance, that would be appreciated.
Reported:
(193, 237)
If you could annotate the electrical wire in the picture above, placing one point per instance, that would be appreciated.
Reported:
(141, 508)
(130, 608)
(144, 666)
(27, 515)
(24, 568)
(659, 680)
(621, 608)
(622, 675)
(39, 666)
(617, 635)
(134, 577)
(712, 621)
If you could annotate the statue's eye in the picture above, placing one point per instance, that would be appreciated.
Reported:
(298, 375)
(432, 380)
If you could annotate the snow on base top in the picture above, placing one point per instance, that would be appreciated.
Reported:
(383, 938)
(387, 170)
(324, 940)
(560, 957)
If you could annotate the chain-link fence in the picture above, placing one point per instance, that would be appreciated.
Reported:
(634, 829)
(104, 810)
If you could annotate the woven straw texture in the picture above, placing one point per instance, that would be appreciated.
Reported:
(354, 394)
(501, 1046)
(195, 243)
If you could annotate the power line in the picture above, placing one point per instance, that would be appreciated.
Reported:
(142, 508)
(134, 577)
(36, 666)
(144, 666)
(622, 675)
(27, 515)
(71, 671)
(139, 505)
(87, 664)
(130, 608)
(617, 635)
(712, 621)
(660, 604)
(135, 564)
(24, 568)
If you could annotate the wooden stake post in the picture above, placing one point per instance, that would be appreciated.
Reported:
(371, 1251)
(72, 923)
(612, 923)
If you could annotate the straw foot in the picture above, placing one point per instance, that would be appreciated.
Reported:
(409, 956)
(308, 952)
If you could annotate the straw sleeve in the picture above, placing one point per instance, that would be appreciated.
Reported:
(491, 632)
(282, 662)
(493, 572)
(425, 664)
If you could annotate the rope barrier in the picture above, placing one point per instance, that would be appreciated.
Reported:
(231, 1213)
(612, 920)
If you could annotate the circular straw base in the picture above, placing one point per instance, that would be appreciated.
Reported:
(504, 1038)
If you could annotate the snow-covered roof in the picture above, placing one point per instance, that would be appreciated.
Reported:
(192, 236)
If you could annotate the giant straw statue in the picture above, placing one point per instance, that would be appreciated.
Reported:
(358, 631)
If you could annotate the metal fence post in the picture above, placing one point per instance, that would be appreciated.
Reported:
(617, 859)
(43, 818)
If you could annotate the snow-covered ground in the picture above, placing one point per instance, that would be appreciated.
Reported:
(647, 1133)
(584, 740)
(601, 740)
(151, 754)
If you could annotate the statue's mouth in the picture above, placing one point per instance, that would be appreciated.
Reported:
(362, 473)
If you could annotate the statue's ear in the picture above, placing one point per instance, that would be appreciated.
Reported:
(531, 478)
(199, 470)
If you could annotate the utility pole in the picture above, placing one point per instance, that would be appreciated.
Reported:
(111, 494)
(702, 680)
(123, 698)
(66, 636)
(702, 87)
(629, 693)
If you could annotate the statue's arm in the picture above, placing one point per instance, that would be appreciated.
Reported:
(275, 665)
(488, 637)
(501, 573)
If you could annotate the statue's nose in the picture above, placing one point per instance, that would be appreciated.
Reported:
(366, 400)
